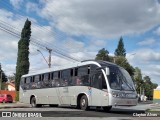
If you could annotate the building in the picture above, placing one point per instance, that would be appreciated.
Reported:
(156, 95)
(10, 86)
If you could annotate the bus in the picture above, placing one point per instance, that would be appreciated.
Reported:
(83, 84)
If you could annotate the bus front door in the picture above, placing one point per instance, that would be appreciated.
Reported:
(98, 84)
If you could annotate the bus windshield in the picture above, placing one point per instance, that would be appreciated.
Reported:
(119, 79)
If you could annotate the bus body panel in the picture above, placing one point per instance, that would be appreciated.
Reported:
(68, 95)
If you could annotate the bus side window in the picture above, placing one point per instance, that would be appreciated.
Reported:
(76, 72)
(33, 84)
(24, 85)
(46, 80)
(37, 81)
(65, 77)
(95, 82)
(83, 74)
(28, 83)
(57, 78)
(93, 68)
(70, 79)
(98, 81)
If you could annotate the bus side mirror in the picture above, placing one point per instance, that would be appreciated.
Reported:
(107, 71)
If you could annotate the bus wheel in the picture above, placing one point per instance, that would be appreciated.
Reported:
(84, 103)
(107, 108)
(33, 102)
(53, 105)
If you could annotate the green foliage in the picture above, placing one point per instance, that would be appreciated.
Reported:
(4, 77)
(138, 80)
(148, 87)
(120, 51)
(102, 55)
(17, 95)
(23, 53)
(119, 58)
(3, 85)
(122, 61)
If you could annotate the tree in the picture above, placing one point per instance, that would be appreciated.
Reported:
(122, 61)
(4, 77)
(148, 87)
(23, 53)
(138, 80)
(120, 51)
(102, 55)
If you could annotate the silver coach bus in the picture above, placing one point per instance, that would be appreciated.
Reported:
(83, 84)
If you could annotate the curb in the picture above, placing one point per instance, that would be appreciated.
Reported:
(14, 106)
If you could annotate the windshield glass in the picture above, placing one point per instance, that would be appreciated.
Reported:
(119, 79)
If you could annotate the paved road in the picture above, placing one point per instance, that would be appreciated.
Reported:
(118, 113)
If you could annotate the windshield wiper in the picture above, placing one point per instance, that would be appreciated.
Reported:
(128, 85)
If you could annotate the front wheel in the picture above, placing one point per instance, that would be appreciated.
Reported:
(84, 103)
(107, 108)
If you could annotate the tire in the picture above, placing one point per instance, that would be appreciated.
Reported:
(3, 101)
(53, 105)
(84, 103)
(33, 103)
(107, 108)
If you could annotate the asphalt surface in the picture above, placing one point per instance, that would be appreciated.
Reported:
(116, 113)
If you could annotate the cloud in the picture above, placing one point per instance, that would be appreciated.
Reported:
(16, 3)
(32, 7)
(9, 43)
(144, 55)
(103, 18)
(149, 41)
(148, 61)
(9, 69)
(157, 31)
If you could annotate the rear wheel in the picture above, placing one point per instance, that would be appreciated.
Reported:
(84, 103)
(3, 101)
(33, 103)
(107, 108)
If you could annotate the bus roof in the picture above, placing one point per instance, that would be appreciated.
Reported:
(86, 62)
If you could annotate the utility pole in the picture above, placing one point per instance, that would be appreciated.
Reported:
(49, 58)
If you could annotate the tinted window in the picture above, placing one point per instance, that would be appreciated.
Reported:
(98, 81)
(66, 74)
(82, 70)
(93, 68)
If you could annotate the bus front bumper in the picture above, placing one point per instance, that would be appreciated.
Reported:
(123, 102)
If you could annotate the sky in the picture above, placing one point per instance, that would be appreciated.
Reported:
(79, 28)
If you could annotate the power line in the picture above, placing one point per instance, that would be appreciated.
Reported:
(33, 40)
(44, 29)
